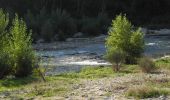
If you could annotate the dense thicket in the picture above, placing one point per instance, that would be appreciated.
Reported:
(42, 13)
(17, 56)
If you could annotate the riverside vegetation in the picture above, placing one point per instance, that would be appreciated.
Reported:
(19, 79)
(91, 17)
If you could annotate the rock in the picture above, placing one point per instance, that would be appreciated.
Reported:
(69, 39)
(100, 38)
(40, 41)
(78, 35)
(100, 93)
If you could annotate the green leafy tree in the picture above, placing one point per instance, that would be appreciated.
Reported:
(5, 63)
(21, 48)
(124, 37)
(4, 19)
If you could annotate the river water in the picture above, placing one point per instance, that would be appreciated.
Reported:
(74, 59)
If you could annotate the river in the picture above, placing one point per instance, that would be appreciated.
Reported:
(73, 59)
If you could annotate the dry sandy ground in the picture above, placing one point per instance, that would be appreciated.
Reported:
(113, 88)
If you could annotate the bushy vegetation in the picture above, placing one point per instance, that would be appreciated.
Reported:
(63, 14)
(21, 48)
(17, 56)
(5, 62)
(117, 58)
(147, 65)
(124, 37)
(143, 91)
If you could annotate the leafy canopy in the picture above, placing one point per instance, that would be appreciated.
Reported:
(125, 38)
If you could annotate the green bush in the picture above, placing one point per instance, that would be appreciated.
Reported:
(17, 56)
(116, 58)
(124, 37)
(5, 67)
(21, 48)
(146, 64)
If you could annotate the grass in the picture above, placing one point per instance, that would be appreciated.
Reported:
(12, 83)
(99, 72)
(57, 85)
(163, 63)
(31, 87)
(146, 91)
(61, 85)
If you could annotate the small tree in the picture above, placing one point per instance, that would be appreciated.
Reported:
(124, 37)
(5, 63)
(116, 57)
(21, 48)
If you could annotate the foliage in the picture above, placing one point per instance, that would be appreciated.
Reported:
(63, 23)
(21, 48)
(5, 62)
(146, 64)
(4, 20)
(116, 58)
(40, 11)
(163, 63)
(124, 37)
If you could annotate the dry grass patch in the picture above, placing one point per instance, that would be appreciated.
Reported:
(146, 91)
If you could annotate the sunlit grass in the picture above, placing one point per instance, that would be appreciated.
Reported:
(146, 91)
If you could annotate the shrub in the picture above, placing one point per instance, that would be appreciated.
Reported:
(146, 64)
(124, 37)
(21, 48)
(142, 92)
(5, 65)
(116, 57)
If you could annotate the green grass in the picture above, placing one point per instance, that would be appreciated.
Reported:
(99, 72)
(12, 83)
(55, 86)
(163, 63)
(85, 73)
